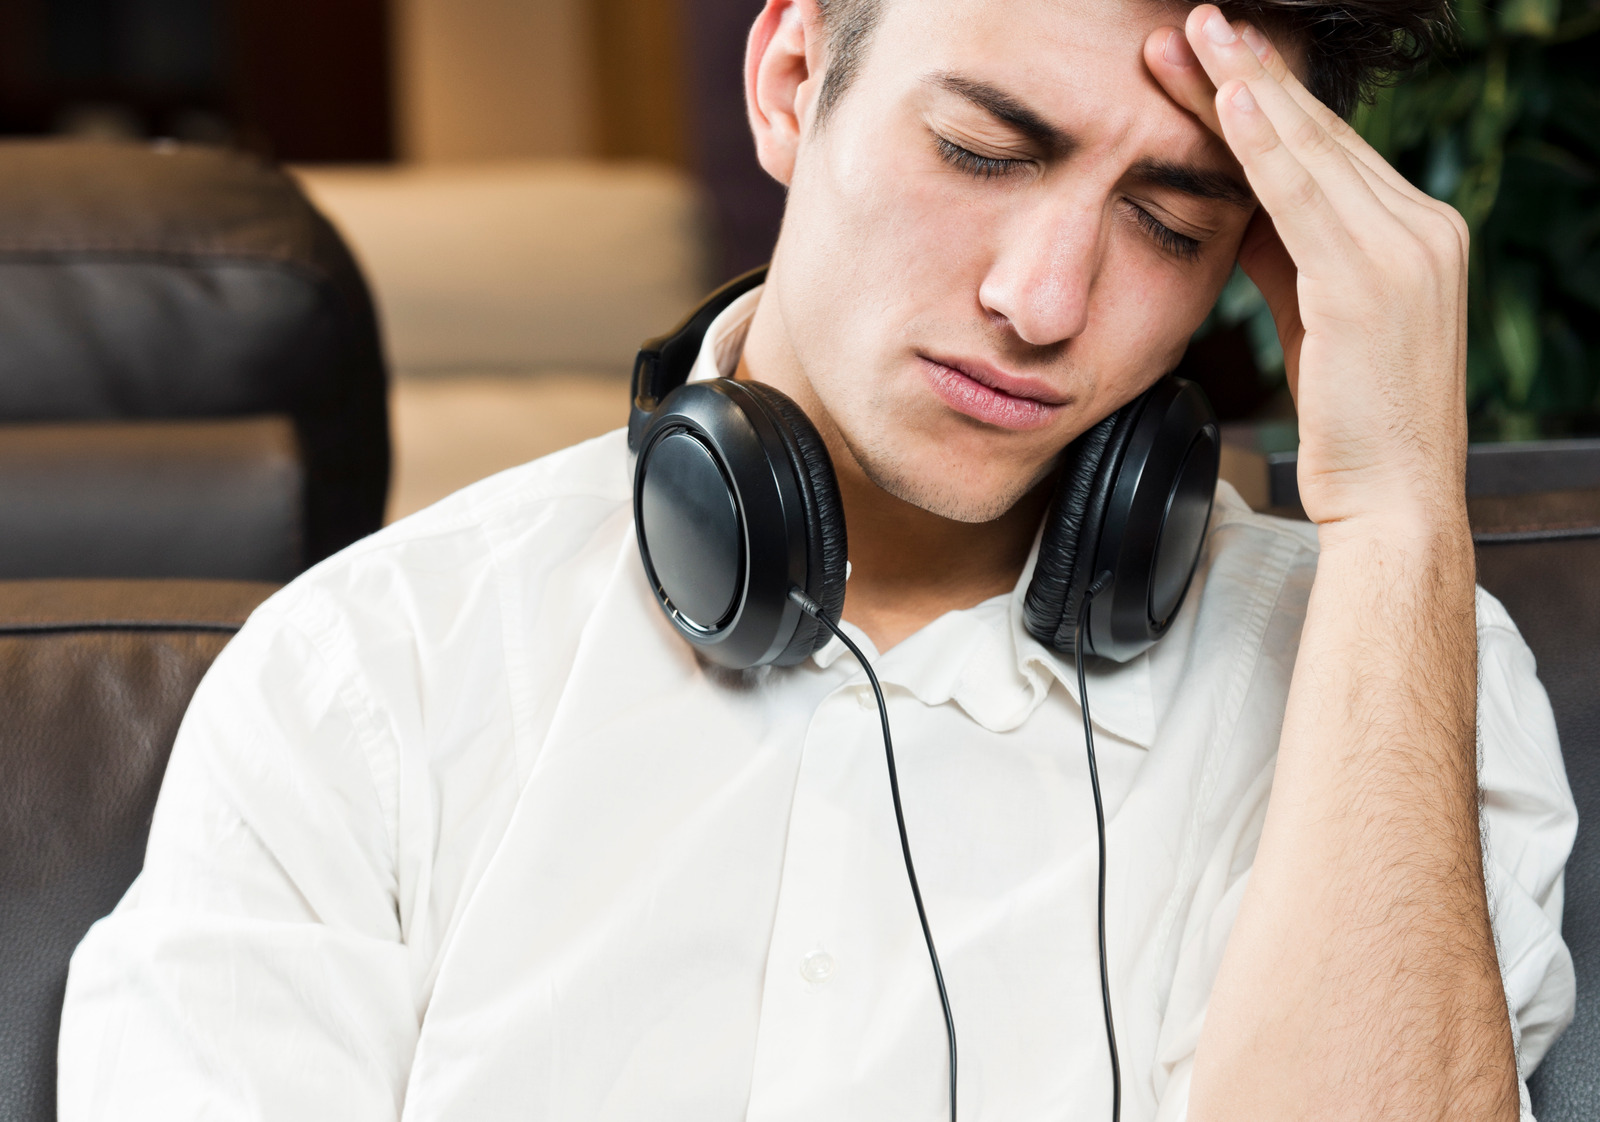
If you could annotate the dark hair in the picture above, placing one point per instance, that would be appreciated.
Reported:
(1352, 46)
(848, 25)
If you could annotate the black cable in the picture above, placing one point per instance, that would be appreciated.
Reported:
(813, 609)
(1100, 825)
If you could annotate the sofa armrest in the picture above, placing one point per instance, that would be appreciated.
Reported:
(94, 678)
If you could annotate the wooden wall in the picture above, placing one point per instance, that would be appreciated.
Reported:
(641, 88)
(493, 79)
(485, 79)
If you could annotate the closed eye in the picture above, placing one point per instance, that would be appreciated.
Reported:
(987, 167)
(984, 167)
(1179, 245)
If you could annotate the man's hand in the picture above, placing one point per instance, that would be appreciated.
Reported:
(1366, 277)
(1360, 978)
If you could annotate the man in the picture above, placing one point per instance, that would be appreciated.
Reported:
(459, 827)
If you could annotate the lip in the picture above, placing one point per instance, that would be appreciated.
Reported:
(986, 394)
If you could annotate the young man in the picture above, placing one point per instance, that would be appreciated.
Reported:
(458, 827)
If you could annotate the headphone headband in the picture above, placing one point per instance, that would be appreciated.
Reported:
(665, 362)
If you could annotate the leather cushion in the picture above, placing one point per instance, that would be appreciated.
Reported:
(109, 335)
(94, 678)
(201, 499)
(827, 547)
(151, 282)
(1535, 516)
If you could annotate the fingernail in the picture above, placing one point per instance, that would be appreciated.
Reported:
(1257, 42)
(1219, 30)
(1242, 100)
(1177, 51)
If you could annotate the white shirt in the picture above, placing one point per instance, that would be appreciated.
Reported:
(458, 828)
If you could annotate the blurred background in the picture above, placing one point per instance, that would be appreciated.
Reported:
(534, 185)
(423, 82)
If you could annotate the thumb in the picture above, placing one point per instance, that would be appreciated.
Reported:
(1267, 263)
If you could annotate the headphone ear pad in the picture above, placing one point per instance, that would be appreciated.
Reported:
(827, 546)
(1065, 566)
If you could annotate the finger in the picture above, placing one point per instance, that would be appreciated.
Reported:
(1416, 208)
(1176, 68)
(1366, 158)
(1267, 263)
(1178, 71)
(1273, 62)
(1226, 57)
(1173, 64)
(1307, 222)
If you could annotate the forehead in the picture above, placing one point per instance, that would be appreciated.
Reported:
(1078, 63)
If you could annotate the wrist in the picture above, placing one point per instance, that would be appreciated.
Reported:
(1438, 540)
(1411, 519)
(1413, 499)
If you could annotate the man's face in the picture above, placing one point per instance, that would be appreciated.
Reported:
(1002, 233)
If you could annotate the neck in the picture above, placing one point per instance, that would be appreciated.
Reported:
(908, 566)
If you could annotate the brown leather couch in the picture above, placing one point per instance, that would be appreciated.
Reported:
(94, 678)
(1540, 554)
(191, 386)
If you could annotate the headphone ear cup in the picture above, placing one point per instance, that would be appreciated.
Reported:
(827, 546)
(1065, 566)
(1133, 504)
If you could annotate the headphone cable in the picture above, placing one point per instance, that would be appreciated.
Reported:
(814, 610)
(1100, 584)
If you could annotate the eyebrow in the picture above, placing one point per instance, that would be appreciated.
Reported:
(1004, 107)
(1202, 183)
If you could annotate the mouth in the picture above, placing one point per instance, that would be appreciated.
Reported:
(992, 396)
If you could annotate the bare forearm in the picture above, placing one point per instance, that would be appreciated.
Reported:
(1360, 980)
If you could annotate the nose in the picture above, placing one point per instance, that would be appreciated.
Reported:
(1043, 276)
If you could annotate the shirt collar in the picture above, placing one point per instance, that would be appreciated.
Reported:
(981, 658)
(984, 660)
(724, 339)
(1121, 695)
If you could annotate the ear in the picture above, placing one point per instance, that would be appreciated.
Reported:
(783, 68)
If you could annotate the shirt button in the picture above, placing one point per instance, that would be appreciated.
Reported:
(864, 697)
(817, 967)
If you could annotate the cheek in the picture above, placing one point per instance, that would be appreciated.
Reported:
(884, 203)
(880, 245)
(1146, 308)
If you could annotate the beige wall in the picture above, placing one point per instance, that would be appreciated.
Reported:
(494, 79)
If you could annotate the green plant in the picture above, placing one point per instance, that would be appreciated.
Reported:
(1506, 128)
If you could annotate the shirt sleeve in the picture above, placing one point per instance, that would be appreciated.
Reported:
(1529, 821)
(256, 968)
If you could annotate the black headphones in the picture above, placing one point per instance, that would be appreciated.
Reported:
(735, 503)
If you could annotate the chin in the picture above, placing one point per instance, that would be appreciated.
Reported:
(938, 492)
